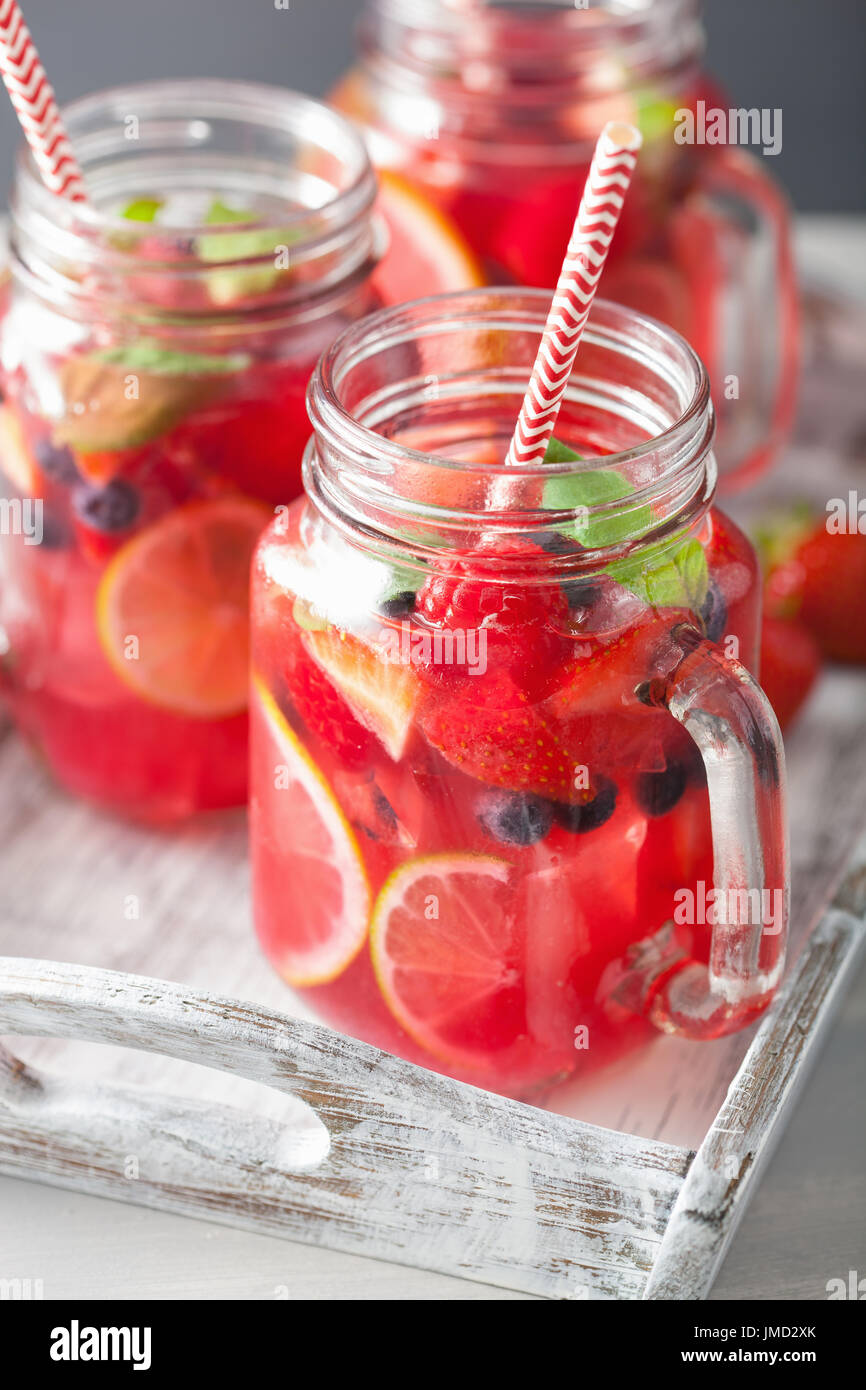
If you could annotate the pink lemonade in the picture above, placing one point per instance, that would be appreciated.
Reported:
(472, 815)
(155, 358)
(492, 111)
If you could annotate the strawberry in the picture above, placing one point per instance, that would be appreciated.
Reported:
(326, 714)
(499, 737)
(833, 569)
(790, 664)
(817, 576)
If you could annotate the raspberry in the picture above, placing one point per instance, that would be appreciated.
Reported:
(525, 625)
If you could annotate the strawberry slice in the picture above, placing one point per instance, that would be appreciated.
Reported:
(326, 714)
(498, 736)
(593, 718)
(380, 694)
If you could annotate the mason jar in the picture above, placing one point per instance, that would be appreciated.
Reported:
(492, 111)
(155, 347)
(516, 798)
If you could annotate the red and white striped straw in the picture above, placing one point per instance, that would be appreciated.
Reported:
(603, 197)
(33, 98)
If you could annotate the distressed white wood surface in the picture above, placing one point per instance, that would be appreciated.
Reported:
(374, 1156)
(399, 1163)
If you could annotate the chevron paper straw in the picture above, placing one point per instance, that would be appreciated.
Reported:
(36, 107)
(603, 196)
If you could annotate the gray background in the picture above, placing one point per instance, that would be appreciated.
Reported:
(800, 55)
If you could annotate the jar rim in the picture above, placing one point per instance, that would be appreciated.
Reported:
(300, 166)
(330, 416)
(613, 46)
(250, 102)
(382, 487)
(616, 14)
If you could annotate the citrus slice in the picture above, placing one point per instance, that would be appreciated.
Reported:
(445, 955)
(313, 898)
(426, 253)
(381, 694)
(172, 608)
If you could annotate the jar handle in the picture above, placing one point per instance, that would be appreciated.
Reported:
(730, 719)
(745, 197)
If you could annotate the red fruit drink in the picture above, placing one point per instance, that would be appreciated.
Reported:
(480, 821)
(156, 346)
(493, 111)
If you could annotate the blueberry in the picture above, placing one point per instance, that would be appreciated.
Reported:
(56, 461)
(110, 508)
(515, 818)
(56, 535)
(398, 605)
(589, 815)
(714, 612)
(658, 792)
(580, 592)
(556, 543)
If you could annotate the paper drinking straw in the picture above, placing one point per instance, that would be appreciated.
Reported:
(36, 107)
(603, 196)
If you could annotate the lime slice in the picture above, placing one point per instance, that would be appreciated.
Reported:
(173, 604)
(311, 890)
(445, 954)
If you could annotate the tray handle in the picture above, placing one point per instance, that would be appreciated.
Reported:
(415, 1168)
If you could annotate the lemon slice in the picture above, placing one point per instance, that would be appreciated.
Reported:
(173, 608)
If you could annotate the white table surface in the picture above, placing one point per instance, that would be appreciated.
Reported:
(804, 1226)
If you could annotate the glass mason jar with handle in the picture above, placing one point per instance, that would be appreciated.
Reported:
(515, 796)
(155, 347)
(493, 111)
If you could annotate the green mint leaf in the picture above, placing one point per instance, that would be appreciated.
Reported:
(142, 209)
(220, 212)
(557, 452)
(656, 115)
(228, 286)
(150, 355)
(307, 618)
(582, 492)
(402, 581)
(666, 575)
(239, 246)
(691, 565)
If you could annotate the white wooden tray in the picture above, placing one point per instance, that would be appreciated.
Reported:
(628, 1187)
